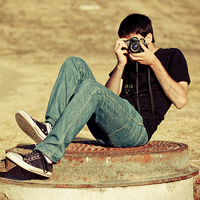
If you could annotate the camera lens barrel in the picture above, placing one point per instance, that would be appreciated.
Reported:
(134, 44)
(135, 47)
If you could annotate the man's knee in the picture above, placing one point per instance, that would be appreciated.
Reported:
(73, 60)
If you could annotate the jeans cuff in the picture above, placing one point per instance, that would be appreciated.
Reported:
(51, 121)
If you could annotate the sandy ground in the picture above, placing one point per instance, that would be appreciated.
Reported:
(37, 36)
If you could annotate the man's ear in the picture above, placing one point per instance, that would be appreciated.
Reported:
(148, 38)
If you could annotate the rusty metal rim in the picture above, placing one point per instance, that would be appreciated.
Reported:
(192, 171)
(116, 151)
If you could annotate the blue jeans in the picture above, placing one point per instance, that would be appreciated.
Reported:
(78, 99)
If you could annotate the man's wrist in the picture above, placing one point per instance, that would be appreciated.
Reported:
(120, 66)
(155, 63)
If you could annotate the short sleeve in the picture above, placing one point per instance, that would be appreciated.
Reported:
(178, 67)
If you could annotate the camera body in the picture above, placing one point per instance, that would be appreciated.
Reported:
(134, 44)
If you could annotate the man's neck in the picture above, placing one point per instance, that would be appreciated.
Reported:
(152, 48)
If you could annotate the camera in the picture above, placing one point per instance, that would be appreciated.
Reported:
(134, 44)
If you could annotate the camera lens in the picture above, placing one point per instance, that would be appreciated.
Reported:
(135, 47)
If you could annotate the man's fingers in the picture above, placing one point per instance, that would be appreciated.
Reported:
(143, 46)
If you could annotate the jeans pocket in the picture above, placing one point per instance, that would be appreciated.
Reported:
(128, 137)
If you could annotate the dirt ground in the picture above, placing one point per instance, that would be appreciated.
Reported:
(37, 36)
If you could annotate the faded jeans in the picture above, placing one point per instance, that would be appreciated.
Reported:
(78, 99)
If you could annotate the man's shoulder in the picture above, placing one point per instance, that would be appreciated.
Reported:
(168, 50)
(169, 53)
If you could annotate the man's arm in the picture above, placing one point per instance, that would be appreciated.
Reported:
(114, 83)
(177, 92)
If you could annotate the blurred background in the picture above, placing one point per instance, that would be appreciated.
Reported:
(37, 36)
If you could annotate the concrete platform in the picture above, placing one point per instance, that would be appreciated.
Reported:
(158, 170)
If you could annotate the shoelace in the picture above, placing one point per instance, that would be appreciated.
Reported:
(31, 156)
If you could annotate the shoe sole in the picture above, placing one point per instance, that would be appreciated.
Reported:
(19, 161)
(29, 127)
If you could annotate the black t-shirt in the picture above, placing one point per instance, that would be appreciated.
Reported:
(175, 64)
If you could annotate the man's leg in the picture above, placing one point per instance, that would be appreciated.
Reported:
(72, 73)
(120, 123)
(119, 120)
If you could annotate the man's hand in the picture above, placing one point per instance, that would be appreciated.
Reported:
(121, 52)
(145, 58)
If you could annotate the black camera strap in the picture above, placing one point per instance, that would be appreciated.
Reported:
(150, 91)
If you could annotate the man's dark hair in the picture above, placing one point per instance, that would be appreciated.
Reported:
(136, 23)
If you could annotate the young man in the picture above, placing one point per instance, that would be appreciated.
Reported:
(123, 113)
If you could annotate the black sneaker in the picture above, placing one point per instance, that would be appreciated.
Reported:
(34, 129)
(34, 162)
